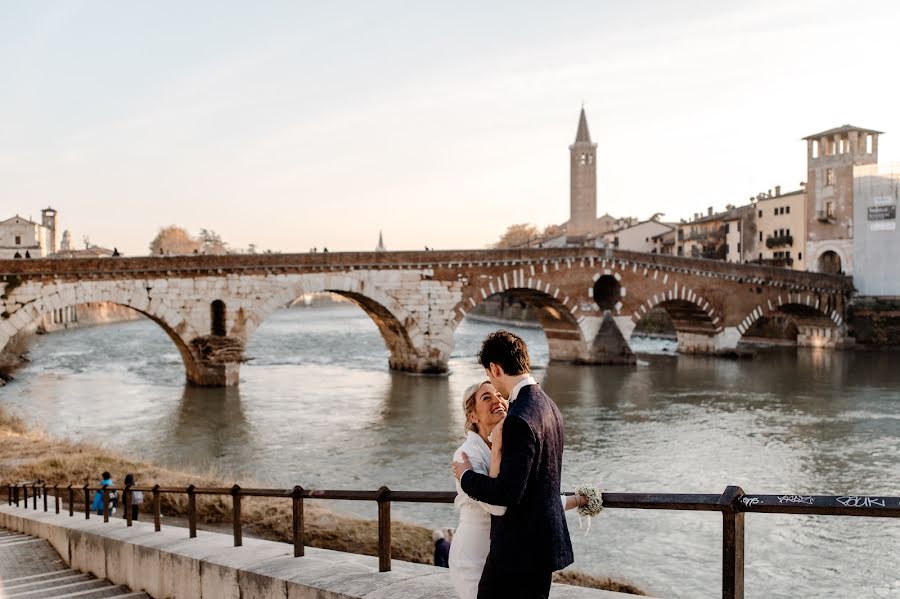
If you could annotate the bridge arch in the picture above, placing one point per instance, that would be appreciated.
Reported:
(817, 320)
(76, 294)
(557, 314)
(399, 329)
(689, 311)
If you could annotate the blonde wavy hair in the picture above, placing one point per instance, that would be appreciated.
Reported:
(469, 404)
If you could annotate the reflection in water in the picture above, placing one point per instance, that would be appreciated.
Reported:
(208, 427)
(318, 407)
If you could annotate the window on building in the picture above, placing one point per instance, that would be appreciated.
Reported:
(739, 248)
(590, 158)
(584, 159)
(760, 256)
(787, 232)
(800, 256)
(760, 235)
(829, 176)
(777, 211)
(815, 149)
(727, 228)
(739, 226)
(868, 144)
(760, 213)
(787, 255)
(829, 209)
(18, 240)
(727, 250)
(787, 209)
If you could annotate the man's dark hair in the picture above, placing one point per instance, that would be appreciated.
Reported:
(506, 349)
(106, 476)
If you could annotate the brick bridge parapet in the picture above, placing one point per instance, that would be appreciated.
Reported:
(588, 300)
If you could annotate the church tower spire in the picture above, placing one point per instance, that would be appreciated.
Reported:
(380, 246)
(582, 183)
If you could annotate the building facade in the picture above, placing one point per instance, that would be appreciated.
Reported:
(831, 157)
(876, 241)
(639, 237)
(780, 230)
(21, 237)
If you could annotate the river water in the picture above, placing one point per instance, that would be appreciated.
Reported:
(318, 407)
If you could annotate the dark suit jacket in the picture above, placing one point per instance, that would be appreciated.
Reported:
(533, 532)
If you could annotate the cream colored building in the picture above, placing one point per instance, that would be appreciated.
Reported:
(638, 237)
(21, 237)
(781, 230)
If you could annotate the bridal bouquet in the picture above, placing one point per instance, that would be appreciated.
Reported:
(593, 506)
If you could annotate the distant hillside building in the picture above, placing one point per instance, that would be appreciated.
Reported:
(19, 235)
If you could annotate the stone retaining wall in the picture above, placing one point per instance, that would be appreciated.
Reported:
(167, 564)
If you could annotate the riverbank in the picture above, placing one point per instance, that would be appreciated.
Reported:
(13, 357)
(28, 454)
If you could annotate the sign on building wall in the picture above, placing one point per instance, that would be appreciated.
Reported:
(882, 212)
(883, 215)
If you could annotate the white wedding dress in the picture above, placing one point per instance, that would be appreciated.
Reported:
(472, 539)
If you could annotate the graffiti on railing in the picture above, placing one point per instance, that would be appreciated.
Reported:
(803, 499)
(749, 501)
(861, 501)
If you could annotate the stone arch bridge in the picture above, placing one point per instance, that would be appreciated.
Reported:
(589, 300)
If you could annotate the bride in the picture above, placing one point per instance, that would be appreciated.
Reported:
(485, 410)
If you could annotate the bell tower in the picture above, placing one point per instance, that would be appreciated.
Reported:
(48, 219)
(582, 183)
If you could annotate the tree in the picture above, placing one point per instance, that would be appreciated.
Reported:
(211, 243)
(551, 231)
(517, 235)
(173, 241)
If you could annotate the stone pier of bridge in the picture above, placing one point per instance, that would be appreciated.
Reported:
(588, 300)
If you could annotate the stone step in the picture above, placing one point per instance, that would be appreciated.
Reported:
(52, 584)
(43, 575)
(45, 582)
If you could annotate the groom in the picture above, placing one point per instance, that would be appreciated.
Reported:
(531, 540)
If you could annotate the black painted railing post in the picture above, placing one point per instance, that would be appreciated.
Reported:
(25, 495)
(16, 492)
(157, 524)
(71, 500)
(44, 491)
(236, 514)
(192, 511)
(384, 529)
(9, 495)
(103, 489)
(34, 494)
(87, 503)
(297, 521)
(732, 543)
(126, 504)
(56, 498)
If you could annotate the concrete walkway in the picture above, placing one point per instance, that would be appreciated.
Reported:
(31, 569)
(167, 564)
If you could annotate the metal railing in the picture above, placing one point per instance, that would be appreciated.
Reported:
(733, 503)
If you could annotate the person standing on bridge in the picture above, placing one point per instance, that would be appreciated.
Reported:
(531, 539)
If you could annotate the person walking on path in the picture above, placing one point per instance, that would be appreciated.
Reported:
(136, 498)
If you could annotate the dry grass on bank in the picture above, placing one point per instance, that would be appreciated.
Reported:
(27, 455)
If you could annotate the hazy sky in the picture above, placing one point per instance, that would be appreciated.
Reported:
(292, 125)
